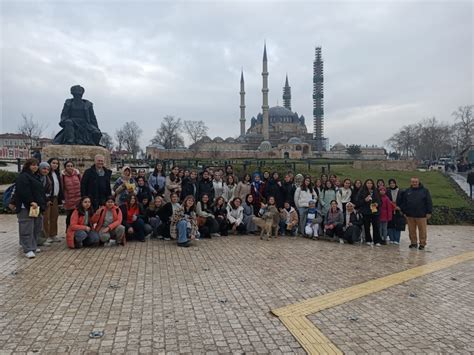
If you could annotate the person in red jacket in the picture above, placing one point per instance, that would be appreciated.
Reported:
(80, 232)
(108, 223)
(133, 223)
(71, 182)
(386, 214)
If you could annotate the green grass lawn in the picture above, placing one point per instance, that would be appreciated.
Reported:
(442, 193)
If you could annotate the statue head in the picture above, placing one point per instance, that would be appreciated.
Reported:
(77, 91)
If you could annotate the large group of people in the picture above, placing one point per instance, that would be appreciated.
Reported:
(187, 205)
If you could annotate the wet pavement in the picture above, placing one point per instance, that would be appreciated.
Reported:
(461, 180)
(216, 296)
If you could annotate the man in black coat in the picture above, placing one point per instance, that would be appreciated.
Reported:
(95, 182)
(470, 181)
(417, 207)
(205, 186)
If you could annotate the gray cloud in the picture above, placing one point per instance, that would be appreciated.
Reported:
(386, 63)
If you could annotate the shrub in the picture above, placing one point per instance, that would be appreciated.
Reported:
(7, 177)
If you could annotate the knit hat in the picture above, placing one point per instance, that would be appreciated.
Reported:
(43, 165)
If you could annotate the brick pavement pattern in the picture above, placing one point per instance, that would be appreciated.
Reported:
(216, 296)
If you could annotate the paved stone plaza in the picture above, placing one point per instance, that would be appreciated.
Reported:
(216, 297)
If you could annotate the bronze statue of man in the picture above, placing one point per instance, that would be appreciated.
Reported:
(78, 121)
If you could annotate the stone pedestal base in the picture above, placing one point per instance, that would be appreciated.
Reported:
(82, 155)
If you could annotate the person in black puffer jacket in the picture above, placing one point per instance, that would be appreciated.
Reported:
(205, 186)
(417, 207)
(368, 204)
(29, 193)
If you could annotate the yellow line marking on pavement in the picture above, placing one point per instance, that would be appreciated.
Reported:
(312, 339)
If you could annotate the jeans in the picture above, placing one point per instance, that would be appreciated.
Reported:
(394, 235)
(83, 238)
(283, 229)
(383, 231)
(302, 216)
(138, 229)
(183, 231)
(155, 223)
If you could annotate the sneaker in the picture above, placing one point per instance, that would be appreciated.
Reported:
(55, 239)
(341, 241)
(369, 243)
(184, 245)
(215, 234)
(38, 250)
(396, 243)
(421, 247)
(112, 242)
(411, 246)
(167, 238)
(48, 242)
(378, 245)
(30, 255)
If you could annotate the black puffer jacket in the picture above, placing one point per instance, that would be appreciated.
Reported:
(416, 202)
(29, 189)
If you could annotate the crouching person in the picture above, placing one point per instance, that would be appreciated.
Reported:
(132, 221)
(184, 223)
(80, 231)
(334, 221)
(288, 220)
(108, 223)
(313, 220)
(268, 220)
(352, 225)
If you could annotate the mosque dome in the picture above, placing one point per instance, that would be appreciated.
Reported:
(279, 111)
(338, 146)
(157, 146)
(265, 146)
(295, 140)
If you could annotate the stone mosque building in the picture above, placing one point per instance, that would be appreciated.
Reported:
(276, 132)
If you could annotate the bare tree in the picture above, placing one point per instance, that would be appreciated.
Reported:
(169, 135)
(107, 141)
(404, 141)
(31, 128)
(464, 126)
(195, 130)
(128, 136)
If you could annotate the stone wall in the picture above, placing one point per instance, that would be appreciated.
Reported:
(396, 165)
(82, 155)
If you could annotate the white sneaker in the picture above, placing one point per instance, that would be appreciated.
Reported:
(396, 243)
(112, 242)
(378, 245)
(37, 250)
(30, 255)
(341, 241)
(369, 243)
(56, 239)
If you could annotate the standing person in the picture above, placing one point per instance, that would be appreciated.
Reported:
(470, 181)
(355, 191)
(95, 182)
(324, 178)
(229, 188)
(313, 221)
(235, 215)
(172, 184)
(220, 212)
(207, 224)
(380, 183)
(43, 172)
(157, 179)
(288, 219)
(133, 223)
(249, 213)
(143, 190)
(273, 188)
(184, 224)
(369, 203)
(218, 184)
(71, 181)
(190, 185)
(288, 189)
(81, 232)
(229, 170)
(108, 223)
(30, 202)
(124, 186)
(205, 186)
(343, 195)
(51, 214)
(329, 194)
(318, 186)
(304, 194)
(397, 224)
(256, 191)
(265, 178)
(416, 205)
(243, 187)
(386, 214)
(334, 221)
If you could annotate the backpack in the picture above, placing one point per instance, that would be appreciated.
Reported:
(9, 198)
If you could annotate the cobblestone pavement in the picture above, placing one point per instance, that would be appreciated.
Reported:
(215, 297)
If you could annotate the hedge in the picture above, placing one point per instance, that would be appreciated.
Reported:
(7, 177)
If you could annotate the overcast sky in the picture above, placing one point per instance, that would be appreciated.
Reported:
(386, 64)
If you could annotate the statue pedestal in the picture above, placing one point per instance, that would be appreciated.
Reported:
(82, 155)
